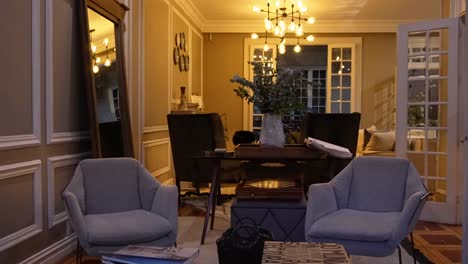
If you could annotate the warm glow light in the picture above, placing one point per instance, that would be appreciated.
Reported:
(303, 9)
(281, 48)
(292, 26)
(268, 24)
(107, 63)
(311, 20)
(297, 48)
(254, 36)
(98, 60)
(277, 31)
(282, 25)
(300, 31)
(310, 38)
(95, 69)
(282, 33)
(300, 4)
(337, 58)
(266, 47)
(256, 9)
(106, 41)
(93, 48)
(278, 3)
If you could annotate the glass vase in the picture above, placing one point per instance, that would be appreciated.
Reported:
(272, 133)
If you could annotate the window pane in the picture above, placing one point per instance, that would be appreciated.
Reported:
(438, 40)
(335, 94)
(438, 90)
(347, 54)
(335, 107)
(336, 54)
(415, 140)
(346, 94)
(418, 162)
(438, 65)
(438, 189)
(346, 108)
(437, 165)
(437, 140)
(336, 81)
(417, 91)
(438, 115)
(416, 116)
(336, 67)
(346, 80)
(346, 68)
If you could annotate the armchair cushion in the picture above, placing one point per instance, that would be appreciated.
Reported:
(137, 226)
(359, 225)
(111, 185)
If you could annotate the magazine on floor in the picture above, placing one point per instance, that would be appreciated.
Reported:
(332, 149)
(152, 255)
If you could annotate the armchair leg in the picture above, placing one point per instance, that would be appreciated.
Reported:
(78, 252)
(412, 247)
(399, 254)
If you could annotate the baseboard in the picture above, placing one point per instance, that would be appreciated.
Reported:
(54, 253)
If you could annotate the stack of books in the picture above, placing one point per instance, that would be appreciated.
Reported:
(150, 255)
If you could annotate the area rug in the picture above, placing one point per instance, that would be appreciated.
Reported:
(189, 235)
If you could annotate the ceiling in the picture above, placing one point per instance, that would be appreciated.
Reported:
(215, 14)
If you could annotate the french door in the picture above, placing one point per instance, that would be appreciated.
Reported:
(427, 116)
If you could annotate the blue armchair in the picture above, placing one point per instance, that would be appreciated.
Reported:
(115, 202)
(369, 207)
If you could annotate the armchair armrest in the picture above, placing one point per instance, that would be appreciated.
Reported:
(165, 204)
(409, 215)
(321, 202)
(76, 216)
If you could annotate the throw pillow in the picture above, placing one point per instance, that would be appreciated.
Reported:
(367, 135)
(381, 141)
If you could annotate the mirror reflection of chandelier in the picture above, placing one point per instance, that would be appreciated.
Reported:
(96, 60)
(281, 20)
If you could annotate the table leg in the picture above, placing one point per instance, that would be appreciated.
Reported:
(211, 199)
(213, 207)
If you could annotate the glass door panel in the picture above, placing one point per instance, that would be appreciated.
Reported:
(427, 83)
(341, 88)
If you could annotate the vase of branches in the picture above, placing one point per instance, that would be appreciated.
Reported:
(275, 96)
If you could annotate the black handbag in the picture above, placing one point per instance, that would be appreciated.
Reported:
(242, 244)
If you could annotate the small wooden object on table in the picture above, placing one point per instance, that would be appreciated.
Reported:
(304, 253)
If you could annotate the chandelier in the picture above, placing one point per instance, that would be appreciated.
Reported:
(281, 20)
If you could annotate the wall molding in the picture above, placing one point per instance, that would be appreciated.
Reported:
(321, 26)
(154, 143)
(19, 141)
(191, 10)
(53, 253)
(152, 129)
(55, 137)
(52, 164)
(16, 170)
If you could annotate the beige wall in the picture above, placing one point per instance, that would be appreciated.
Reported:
(158, 89)
(223, 57)
(36, 111)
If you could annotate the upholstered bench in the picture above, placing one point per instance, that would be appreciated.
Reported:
(285, 219)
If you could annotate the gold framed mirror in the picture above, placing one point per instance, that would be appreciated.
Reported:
(104, 67)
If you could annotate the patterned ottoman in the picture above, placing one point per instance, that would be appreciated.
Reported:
(285, 219)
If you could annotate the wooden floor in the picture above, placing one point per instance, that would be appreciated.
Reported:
(441, 244)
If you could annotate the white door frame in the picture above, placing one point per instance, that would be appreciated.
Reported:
(433, 211)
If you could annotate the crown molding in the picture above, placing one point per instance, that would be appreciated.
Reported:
(323, 26)
(192, 12)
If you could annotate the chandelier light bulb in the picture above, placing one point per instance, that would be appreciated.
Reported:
(292, 26)
(281, 49)
(310, 38)
(93, 48)
(254, 36)
(277, 31)
(268, 25)
(311, 20)
(98, 60)
(266, 47)
(300, 31)
(282, 25)
(107, 63)
(256, 9)
(300, 4)
(282, 33)
(297, 48)
(303, 9)
(277, 3)
(95, 69)
(106, 41)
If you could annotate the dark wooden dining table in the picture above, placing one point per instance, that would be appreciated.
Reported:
(297, 153)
